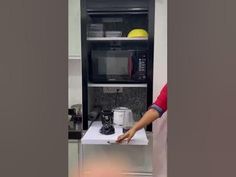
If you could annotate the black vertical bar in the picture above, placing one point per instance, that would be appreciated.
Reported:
(151, 14)
(84, 64)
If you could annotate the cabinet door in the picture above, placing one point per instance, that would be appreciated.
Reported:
(138, 157)
(74, 29)
(73, 158)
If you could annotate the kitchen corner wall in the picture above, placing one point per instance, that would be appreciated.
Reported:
(160, 47)
(159, 79)
(75, 82)
(74, 52)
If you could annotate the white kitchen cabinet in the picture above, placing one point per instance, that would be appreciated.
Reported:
(73, 152)
(74, 82)
(137, 154)
(74, 31)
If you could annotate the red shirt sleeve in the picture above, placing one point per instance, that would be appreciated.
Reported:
(161, 102)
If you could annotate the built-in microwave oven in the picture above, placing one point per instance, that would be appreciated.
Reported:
(118, 66)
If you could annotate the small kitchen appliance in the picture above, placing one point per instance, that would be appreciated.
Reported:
(107, 122)
(74, 124)
(123, 116)
(116, 65)
(118, 115)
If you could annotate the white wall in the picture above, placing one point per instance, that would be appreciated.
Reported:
(160, 46)
(159, 79)
(74, 49)
(75, 82)
(74, 36)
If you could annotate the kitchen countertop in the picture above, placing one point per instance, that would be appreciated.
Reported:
(93, 136)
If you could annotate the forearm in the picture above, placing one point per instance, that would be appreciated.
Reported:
(147, 118)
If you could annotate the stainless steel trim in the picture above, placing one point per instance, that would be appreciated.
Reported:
(138, 174)
(132, 173)
(116, 85)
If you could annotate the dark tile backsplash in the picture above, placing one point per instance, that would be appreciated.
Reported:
(133, 98)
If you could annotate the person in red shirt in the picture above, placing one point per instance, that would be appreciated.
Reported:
(154, 112)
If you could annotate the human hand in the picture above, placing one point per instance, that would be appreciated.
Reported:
(128, 135)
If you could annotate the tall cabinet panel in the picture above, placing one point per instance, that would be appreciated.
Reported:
(74, 30)
(74, 53)
(117, 49)
(74, 68)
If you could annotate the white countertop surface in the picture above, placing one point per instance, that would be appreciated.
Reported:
(93, 136)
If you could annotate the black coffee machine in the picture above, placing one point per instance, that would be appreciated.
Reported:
(107, 122)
